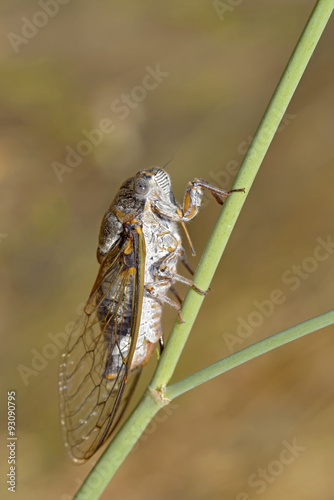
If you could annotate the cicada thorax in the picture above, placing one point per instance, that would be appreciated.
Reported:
(163, 247)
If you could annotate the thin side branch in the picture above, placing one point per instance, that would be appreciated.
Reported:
(250, 352)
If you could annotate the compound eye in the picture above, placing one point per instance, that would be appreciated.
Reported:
(142, 186)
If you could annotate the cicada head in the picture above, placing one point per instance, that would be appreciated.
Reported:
(153, 184)
(130, 203)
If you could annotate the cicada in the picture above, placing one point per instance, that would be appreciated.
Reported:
(138, 252)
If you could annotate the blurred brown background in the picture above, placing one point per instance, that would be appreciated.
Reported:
(229, 438)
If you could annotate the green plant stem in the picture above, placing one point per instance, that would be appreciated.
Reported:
(119, 448)
(129, 434)
(149, 405)
(248, 353)
(250, 166)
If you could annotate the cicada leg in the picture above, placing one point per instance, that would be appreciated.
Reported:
(154, 291)
(193, 196)
(161, 344)
(175, 293)
(186, 263)
(191, 202)
(165, 271)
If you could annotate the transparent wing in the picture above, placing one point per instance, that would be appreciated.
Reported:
(95, 379)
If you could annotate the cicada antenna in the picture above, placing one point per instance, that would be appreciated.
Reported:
(165, 165)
